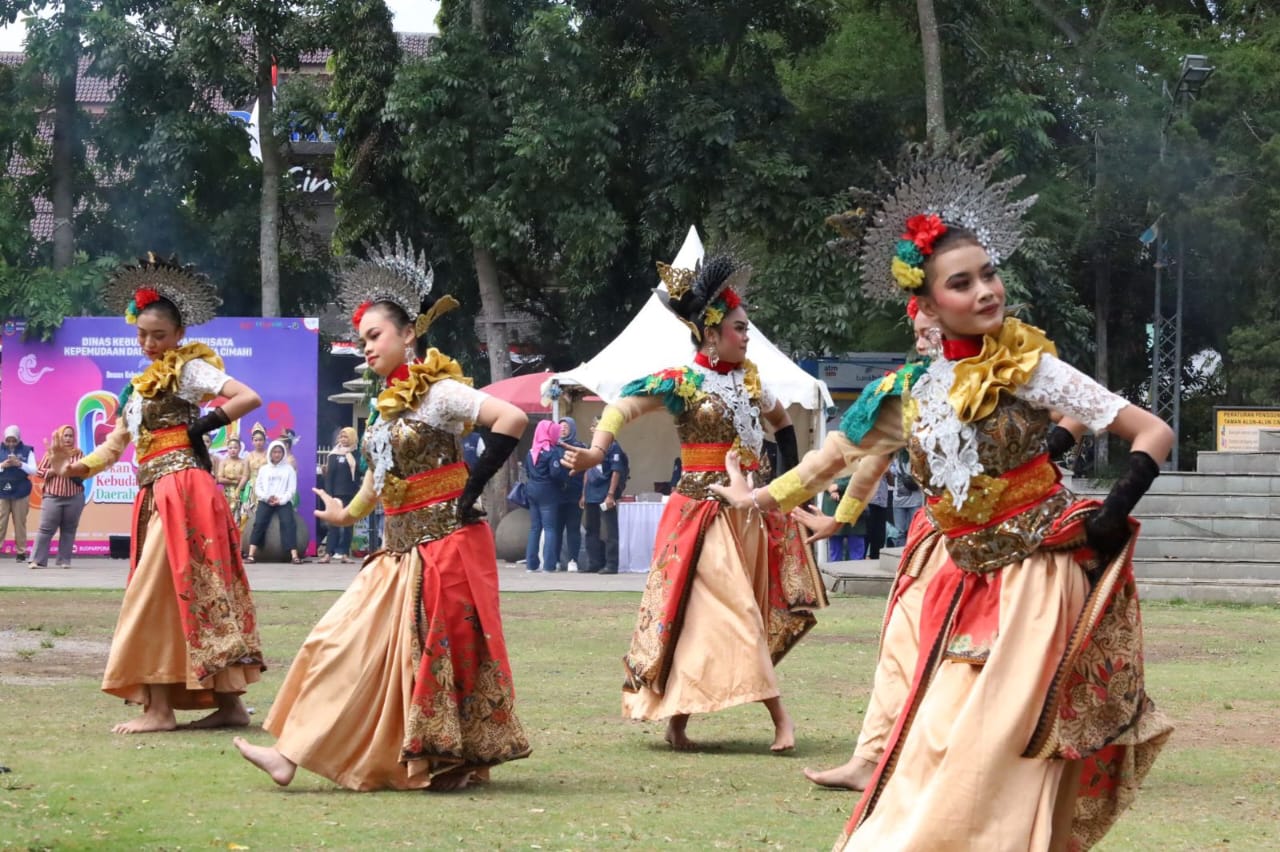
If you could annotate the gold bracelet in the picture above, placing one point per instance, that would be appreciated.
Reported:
(361, 506)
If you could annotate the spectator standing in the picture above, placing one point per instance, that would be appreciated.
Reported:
(61, 502)
(907, 496)
(341, 480)
(232, 474)
(545, 480)
(877, 517)
(16, 470)
(846, 542)
(276, 486)
(571, 502)
(602, 487)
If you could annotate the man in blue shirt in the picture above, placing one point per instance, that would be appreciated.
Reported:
(601, 489)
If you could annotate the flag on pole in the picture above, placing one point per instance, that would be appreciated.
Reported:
(1149, 236)
(255, 143)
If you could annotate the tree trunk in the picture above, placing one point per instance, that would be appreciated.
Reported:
(1101, 316)
(64, 139)
(934, 102)
(1101, 297)
(493, 311)
(269, 203)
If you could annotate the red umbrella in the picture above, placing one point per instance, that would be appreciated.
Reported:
(524, 392)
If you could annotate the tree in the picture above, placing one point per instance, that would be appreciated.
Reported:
(54, 33)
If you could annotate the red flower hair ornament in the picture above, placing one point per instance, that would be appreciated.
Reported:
(923, 230)
(913, 308)
(144, 296)
(359, 314)
(731, 299)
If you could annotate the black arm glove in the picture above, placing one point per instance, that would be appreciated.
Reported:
(1059, 443)
(1108, 529)
(214, 420)
(788, 452)
(497, 447)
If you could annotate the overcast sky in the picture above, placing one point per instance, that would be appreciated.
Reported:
(412, 16)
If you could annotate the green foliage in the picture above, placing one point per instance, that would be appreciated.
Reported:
(1254, 355)
(45, 296)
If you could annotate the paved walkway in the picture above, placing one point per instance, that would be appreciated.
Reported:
(104, 573)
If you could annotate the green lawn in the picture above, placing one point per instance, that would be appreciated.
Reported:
(594, 781)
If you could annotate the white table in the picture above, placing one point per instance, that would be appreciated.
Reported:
(637, 530)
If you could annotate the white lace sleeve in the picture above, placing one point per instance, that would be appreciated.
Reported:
(200, 381)
(1061, 387)
(767, 399)
(451, 406)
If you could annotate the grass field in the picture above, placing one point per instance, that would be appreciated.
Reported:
(594, 780)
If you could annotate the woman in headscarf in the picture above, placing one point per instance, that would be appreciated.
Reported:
(341, 480)
(187, 635)
(61, 502)
(570, 527)
(275, 487)
(544, 486)
(404, 684)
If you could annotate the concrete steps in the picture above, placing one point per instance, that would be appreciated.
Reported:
(1213, 462)
(1210, 535)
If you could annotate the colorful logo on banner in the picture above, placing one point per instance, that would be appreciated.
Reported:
(77, 376)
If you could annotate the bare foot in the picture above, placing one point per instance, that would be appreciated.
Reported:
(676, 737)
(854, 775)
(224, 717)
(451, 781)
(784, 735)
(150, 722)
(270, 761)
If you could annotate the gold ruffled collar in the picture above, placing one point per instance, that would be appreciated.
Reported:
(1005, 362)
(165, 372)
(406, 393)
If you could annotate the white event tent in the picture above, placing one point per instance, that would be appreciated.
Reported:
(656, 340)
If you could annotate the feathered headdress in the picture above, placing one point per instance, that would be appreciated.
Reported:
(891, 232)
(702, 296)
(131, 288)
(392, 273)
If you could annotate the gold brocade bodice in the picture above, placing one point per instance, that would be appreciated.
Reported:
(1011, 438)
(708, 420)
(165, 410)
(417, 449)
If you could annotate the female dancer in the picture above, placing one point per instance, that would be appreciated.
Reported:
(405, 683)
(62, 501)
(729, 591)
(187, 636)
(341, 480)
(1026, 724)
(233, 472)
(255, 458)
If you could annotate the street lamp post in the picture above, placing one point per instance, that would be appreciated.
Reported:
(1166, 326)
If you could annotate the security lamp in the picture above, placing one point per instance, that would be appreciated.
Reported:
(1195, 71)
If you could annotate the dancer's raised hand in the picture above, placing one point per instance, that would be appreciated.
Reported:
(334, 512)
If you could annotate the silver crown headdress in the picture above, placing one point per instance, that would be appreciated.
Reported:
(392, 273)
(191, 292)
(953, 183)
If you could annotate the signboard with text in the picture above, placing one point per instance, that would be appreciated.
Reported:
(1236, 429)
(848, 375)
(76, 377)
